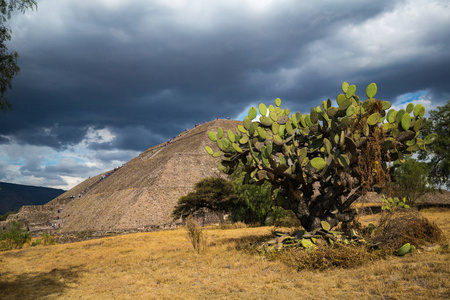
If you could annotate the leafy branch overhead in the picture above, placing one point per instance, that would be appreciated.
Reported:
(319, 163)
(8, 59)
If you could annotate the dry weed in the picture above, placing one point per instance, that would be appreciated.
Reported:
(327, 257)
(406, 226)
(195, 235)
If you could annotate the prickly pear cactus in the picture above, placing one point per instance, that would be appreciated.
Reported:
(314, 161)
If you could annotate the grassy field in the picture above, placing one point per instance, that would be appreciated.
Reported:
(163, 265)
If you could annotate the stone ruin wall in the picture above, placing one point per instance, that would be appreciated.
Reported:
(37, 218)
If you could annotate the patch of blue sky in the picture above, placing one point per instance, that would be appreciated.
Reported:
(51, 160)
(6, 160)
(244, 113)
(410, 97)
(56, 157)
(241, 117)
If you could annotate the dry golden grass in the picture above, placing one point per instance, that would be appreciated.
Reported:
(163, 265)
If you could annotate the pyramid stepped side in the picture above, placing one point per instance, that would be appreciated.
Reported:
(145, 191)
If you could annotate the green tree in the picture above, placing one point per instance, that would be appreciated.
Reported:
(253, 202)
(213, 194)
(319, 163)
(14, 237)
(411, 180)
(439, 150)
(8, 59)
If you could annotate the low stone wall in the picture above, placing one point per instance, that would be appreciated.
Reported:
(33, 216)
(72, 237)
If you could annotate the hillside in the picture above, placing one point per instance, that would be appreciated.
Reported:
(14, 196)
(144, 191)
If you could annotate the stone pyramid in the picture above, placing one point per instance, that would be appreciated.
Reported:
(144, 191)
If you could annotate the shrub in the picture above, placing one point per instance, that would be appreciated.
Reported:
(48, 239)
(407, 226)
(15, 237)
(280, 217)
(195, 235)
(326, 257)
(37, 242)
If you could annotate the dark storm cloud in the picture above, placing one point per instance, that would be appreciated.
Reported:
(114, 67)
(147, 70)
(58, 137)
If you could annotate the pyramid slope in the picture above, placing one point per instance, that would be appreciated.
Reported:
(145, 190)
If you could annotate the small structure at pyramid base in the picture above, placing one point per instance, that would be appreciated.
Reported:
(141, 194)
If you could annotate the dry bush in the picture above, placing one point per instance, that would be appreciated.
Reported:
(326, 257)
(406, 226)
(195, 235)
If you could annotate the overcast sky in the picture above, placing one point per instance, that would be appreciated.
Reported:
(103, 80)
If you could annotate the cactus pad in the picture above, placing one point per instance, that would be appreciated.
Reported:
(406, 248)
(385, 105)
(217, 153)
(409, 108)
(231, 136)
(212, 136)
(350, 91)
(391, 116)
(262, 109)
(373, 119)
(252, 113)
(344, 87)
(419, 110)
(209, 150)
(278, 102)
(406, 121)
(371, 90)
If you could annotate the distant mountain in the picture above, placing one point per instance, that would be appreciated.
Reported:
(14, 196)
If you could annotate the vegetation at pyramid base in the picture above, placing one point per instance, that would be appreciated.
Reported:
(253, 202)
(247, 203)
(15, 237)
(319, 163)
(210, 194)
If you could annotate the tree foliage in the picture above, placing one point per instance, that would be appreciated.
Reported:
(8, 59)
(213, 194)
(15, 237)
(411, 180)
(319, 163)
(253, 202)
(439, 153)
